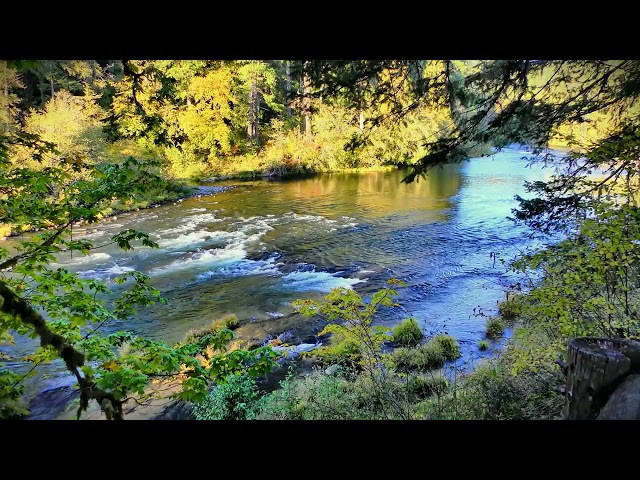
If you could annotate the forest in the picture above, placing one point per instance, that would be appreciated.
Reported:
(84, 141)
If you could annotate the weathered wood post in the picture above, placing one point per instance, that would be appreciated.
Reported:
(595, 368)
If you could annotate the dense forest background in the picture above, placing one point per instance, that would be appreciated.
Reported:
(207, 118)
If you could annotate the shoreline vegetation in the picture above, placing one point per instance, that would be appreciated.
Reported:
(179, 189)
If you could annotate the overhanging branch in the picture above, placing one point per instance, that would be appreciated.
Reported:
(12, 304)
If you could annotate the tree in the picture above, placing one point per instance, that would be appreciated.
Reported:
(73, 123)
(9, 82)
(258, 82)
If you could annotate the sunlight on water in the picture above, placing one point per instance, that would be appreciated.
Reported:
(254, 249)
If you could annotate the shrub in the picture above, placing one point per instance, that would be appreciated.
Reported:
(449, 346)
(403, 359)
(428, 356)
(407, 333)
(492, 392)
(511, 308)
(483, 345)
(423, 387)
(423, 358)
(495, 327)
(338, 351)
(236, 399)
(314, 397)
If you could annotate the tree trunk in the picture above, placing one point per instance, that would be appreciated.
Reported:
(256, 117)
(624, 403)
(287, 69)
(254, 105)
(361, 120)
(595, 367)
(306, 102)
(52, 91)
(5, 69)
(250, 115)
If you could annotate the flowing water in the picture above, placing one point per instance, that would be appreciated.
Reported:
(253, 249)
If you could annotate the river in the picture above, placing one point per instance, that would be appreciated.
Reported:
(253, 249)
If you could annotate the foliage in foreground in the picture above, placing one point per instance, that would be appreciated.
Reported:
(408, 385)
(68, 314)
(237, 398)
(404, 385)
(491, 391)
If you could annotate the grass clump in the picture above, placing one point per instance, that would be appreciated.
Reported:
(483, 345)
(407, 333)
(228, 321)
(402, 359)
(423, 387)
(428, 356)
(422, 358)
(449, 345)
(495, 327)
(339, 351)
(511, 308)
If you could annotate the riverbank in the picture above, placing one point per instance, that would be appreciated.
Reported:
(175, 193)
(282, 174)
(291, 334)
(179, 189)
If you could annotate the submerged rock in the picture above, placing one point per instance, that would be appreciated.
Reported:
(210, 190)
(332, 369)
(176, 410)
(51, 404)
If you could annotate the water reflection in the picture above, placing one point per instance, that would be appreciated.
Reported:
(375, 194)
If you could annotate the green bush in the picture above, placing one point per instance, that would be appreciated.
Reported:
(429, 356)
(423, 387)
(492, 392)
(353, 396)
(423, 358)
(236, 399)
(315, 397)
(449, 346)
(407, 333)
(511, 308)
(483, 345)
(195, 334)
(403, 359)
(495, 327)
(339, 351)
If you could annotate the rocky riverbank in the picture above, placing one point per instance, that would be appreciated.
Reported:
(291, 333)
(188, 192)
